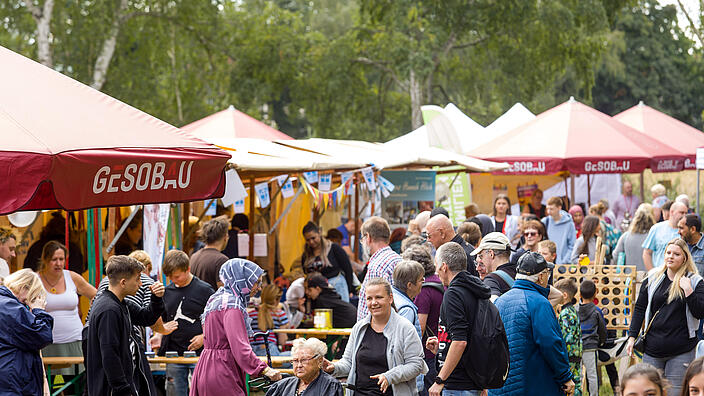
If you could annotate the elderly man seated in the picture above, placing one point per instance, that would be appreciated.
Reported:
(307, 358)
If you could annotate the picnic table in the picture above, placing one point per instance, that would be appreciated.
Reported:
(331, 336)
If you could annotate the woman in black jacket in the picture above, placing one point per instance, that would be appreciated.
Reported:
(26, 329)
(320, 255)
(670, 305)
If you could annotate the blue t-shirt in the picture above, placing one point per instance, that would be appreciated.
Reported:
(346, 239)
(658, 237)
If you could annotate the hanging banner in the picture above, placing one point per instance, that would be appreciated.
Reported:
(386, 184)
(311, 177)
(458, 194)
(368, 174)
(262, 190)
(286, 188)
(325, 181)
(411, 185)
(326, 198)
(234, 189)
(154, 228)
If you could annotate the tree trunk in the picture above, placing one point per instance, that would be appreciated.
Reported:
(42, 16)
(416, 91)
(100, 70)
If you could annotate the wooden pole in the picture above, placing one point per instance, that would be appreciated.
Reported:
(589, 192)
(574, 198)
(252, 213)
(271, 237)
(642, 187)
(111, 229)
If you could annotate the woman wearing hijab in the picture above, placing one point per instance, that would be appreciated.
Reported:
(577, 216)
(227, 356)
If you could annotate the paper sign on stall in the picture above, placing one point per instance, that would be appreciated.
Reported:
(286, 188)
(234, 189)
(239, 206)
(368, 174)
(311, 177)
(263, 194)
(260, 244)
(155, 223)
(344, 176)
(325, 181)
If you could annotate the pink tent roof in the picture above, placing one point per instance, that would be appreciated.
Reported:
(66, 145)
(579, 139)
(661, 126)
(232, 123)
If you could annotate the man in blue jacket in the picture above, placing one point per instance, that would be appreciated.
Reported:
(539, 363)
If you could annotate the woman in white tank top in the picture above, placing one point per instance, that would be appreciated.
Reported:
(63, 288)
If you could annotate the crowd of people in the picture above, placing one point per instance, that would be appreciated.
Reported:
(434, 309)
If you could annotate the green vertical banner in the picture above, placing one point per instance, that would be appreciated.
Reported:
(453, 191)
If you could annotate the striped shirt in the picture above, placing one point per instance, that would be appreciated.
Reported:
(279, 317)
(381, 265)
(142, 298)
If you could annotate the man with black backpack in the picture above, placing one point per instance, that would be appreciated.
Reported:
(539, 362)
(471, 346)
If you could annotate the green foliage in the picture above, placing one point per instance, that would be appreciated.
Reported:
(349, 69)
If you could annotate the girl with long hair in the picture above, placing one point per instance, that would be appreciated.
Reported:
(586, 243)
(670, 306)
(321, 255)
(631, 242)
(269, 315)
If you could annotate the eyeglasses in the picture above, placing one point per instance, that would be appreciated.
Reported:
(303, 362)
(530, 233)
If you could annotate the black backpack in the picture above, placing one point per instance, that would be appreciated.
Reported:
(487, 360)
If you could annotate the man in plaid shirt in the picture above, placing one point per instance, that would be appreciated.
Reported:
(382, 260)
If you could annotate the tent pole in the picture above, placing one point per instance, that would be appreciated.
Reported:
(642, 187)
(566, 192)
(250, 255)
(698, 171)
(589, 192)
(355, 243)
(186, 216)
(574, 198)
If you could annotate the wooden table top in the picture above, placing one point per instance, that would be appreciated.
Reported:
(71, 360)
(315, 332)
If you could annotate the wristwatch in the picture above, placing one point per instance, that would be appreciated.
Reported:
(439, 380)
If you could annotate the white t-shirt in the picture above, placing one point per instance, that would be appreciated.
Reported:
(4, 268)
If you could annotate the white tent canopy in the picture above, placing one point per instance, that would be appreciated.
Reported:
(385, 156)
(516, 116)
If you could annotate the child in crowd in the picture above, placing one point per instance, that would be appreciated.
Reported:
(693, 384)
(593, 333)
(548, 250)
(571, 332)
(643, 379)
(268, 315)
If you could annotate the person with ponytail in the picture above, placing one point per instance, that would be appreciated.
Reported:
(269, 315)
(586, 243)
(669, 307)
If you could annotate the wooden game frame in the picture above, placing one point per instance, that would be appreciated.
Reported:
(615, 289)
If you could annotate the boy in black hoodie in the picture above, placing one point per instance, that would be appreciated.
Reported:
(344, 314)
(113, 364)
(593, 333)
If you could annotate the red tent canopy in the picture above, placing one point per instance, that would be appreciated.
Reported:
(577, 138)
(661, 126)
(66, 145)
(232, 123)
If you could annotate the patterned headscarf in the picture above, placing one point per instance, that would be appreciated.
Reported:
(237, 276)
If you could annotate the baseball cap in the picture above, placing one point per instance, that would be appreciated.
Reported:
(494, 241)
(532, 263)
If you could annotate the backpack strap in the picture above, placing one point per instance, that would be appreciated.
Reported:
(505, 276)
(435, 286)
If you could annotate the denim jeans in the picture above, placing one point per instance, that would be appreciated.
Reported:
(673, 367)
(177, 379)
(339, 283)
(448, 392)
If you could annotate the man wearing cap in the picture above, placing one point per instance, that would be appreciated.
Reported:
(539, 363)
(494, 252)
(439, 231)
